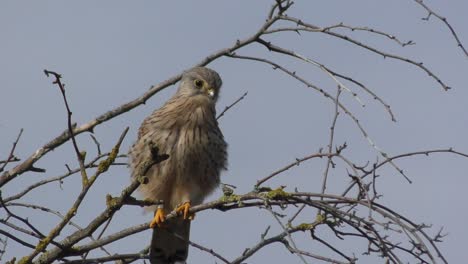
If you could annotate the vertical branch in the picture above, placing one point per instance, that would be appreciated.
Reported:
(4, 243)
(330, 142)
(80, 155)
(11, 156)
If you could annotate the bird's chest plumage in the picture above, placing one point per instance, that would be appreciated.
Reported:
(199, 148)
(197, 154)
(196, 149)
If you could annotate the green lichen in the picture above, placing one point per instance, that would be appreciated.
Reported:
(105, 164)
(305, 226)
(23, 260)
(43, 242)
(320, 219)
(83, 155)
(84, 179)
(111, 201)
(233, 198)
(277, 194)
(40, 246)
(262, 189)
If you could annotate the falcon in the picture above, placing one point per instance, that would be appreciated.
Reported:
(186, 129)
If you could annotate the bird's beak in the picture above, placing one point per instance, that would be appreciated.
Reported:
(210, 91)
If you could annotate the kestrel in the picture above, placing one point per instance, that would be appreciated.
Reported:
(186, 129)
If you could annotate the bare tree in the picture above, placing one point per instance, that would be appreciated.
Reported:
(352, 214)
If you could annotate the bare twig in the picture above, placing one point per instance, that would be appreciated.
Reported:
(4, 243)
(89, 126)
(343, 215)
(373, 31)
(209, 251)
(231, 105)
(79, 155)
(390, 159)
(90, 164)
(370, 48)
(330, 142)
(443, 19)
(286, 231)
(123, 257)
(56, 213)
(328, 96)
(11, 156)
(73, 209)
(297, 162)
(98, 146)
(113, 204)
(14, 238)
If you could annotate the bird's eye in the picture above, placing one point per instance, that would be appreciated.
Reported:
(198, 83)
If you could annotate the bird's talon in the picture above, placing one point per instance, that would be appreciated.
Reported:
(159, 218)
(184, 209)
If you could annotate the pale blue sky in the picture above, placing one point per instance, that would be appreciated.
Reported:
(110, 52)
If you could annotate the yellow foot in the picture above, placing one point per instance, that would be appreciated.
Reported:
(184, 209)
(159, 218)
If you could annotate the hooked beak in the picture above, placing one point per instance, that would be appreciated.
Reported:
(210, 91)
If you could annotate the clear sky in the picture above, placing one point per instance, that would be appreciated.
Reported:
(111, 52)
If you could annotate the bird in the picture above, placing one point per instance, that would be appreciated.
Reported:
(186, 129)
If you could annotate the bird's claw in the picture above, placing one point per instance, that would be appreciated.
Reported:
(159, 218)
(184, 209)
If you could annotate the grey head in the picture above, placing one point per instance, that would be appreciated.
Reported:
(200, 81)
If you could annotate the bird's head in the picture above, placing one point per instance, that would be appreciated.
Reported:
(201, 81)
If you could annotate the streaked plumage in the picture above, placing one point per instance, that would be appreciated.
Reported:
(186, 129)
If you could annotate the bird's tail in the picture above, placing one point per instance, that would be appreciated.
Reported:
(170, 243)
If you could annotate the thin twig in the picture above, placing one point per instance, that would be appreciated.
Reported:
(90, 164)
(288, 234)
(58, 214)
(113, 206)
(443, 19)
(11, 156)
(231, 105)
(330, 141)
(74, 208)
(328, 96)
(80, 156)
(210, 251)
(297, 162)
(370, 48)
(27, 165)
